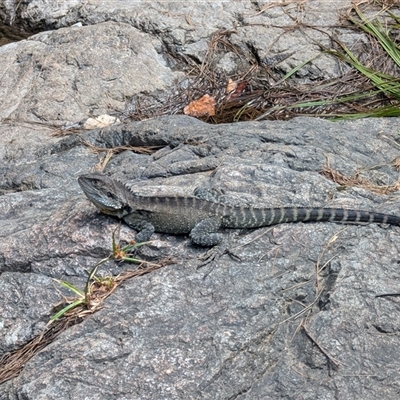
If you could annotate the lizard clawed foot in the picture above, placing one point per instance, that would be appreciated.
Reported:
(215, 253)
(210, 256)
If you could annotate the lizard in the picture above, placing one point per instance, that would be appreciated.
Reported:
(202, 215)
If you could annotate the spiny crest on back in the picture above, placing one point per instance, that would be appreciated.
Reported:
(126, 189)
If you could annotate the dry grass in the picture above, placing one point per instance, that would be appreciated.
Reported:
(12, 363)
(357, 181)
(109, 152)
(264, 94)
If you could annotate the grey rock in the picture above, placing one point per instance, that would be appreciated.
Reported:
(229, 328)
(72, 73)
(232, 329)
(24, 304)
(276, 35)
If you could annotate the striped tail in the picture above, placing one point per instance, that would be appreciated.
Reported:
(242, 217)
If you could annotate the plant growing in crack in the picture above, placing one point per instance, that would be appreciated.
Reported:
(88, 301)
(97, 288)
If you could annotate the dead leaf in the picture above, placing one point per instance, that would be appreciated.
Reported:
(231, 86)
(205, 106)
(236, 88)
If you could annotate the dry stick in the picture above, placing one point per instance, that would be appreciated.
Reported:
(306, 309)
(115, 150)
(299, 326)
(355, 180)
(253, 239)
(296, 285)
(11, 364)
(319, 268)
(333, 360)
(118, 149)
(104, 161)
(319, 289)
(279, 4)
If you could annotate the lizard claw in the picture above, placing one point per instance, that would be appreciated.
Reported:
(210, 256)
(215, 253)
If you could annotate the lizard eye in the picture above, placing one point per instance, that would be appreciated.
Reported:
(110, 195)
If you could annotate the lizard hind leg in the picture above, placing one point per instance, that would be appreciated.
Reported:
(205, 232)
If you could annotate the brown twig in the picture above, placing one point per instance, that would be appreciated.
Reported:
(336, 363)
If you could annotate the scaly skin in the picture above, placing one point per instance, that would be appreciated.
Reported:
(202, 215)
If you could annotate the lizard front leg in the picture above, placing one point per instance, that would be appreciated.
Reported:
(138, 222)
(204, 233)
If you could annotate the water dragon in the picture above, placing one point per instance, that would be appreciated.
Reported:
(203, 214)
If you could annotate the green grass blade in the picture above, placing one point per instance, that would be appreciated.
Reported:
(65, 309)
(130, 259)
(71, 287)
(130, 247)
(91, 277)
(297, 68)
(391, 111)
(384, 82)
(376, 29)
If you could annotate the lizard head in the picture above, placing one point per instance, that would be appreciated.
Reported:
(106, 194)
